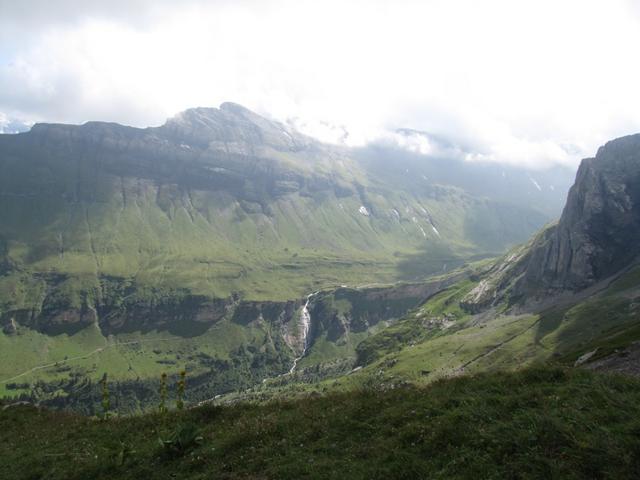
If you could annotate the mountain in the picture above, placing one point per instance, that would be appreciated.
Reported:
(217, 202)
(195, 243)
(448, 164)
(570, 297)
(599, 232)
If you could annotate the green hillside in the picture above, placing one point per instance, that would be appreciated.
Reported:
(441, 338)
(99, 213)
(537, 423)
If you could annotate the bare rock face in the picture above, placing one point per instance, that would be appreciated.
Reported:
(10, 328)
(599, 231)
(597, 235)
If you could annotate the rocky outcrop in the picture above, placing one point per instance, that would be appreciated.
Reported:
(10, 328)
(599, 231)
(120, 305)
(597, 236)
(342, 311)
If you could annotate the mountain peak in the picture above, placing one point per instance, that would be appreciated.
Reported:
(236, 108)
(231, 123)
(227, 112)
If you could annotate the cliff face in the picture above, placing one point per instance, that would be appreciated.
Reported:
(597, 235)
(599, 231)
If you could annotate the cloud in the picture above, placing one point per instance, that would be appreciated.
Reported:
(43, 13)
(535, 83)
(11, 125)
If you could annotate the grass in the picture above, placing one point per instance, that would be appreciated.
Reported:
(411, 350)
(217, 242)
(535, 423)
(130, 357)
(411, 328)
(342, 319)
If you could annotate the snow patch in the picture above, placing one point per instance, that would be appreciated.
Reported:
(363, 210)
(535, 184)
(584, 358)
(424, 234)
(435, 230)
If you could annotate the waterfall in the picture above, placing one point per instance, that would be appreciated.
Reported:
(304, 326)
(305, 323)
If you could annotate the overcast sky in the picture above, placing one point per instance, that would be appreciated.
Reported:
(536, 82)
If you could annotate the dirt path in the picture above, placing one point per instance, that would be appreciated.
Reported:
(495, 348)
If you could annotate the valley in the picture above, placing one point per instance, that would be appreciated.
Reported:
(193, 245)
(446, 307)
(407, 248)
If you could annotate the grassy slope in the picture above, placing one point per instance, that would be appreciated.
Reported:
(68, 216)
(123, 357)
(409, 351)
(537, 423)
(207, 243)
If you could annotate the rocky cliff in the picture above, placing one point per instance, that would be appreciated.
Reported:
(597, 236)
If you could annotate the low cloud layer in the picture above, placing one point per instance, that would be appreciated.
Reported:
(535, 83)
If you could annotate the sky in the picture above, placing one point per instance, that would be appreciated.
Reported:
(535, 83)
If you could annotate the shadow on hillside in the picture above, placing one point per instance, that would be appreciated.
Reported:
(432, 259)
(495, 227)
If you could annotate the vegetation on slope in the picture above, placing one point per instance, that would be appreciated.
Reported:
(239, 351)
(537, 423)
(441, 337)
